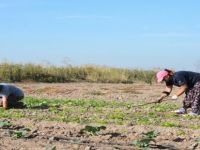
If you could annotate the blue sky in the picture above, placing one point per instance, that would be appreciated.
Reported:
(118, 33)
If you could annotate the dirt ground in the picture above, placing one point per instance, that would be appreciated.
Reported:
(66, 136)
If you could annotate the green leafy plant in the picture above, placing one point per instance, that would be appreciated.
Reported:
(165, 107)
(35, 103)
(197, 140)
(18, 134)
(142, 142)
(145, 141)
(144, 120)
(152, 134)
(170, 124)
(23, 133)
(51, 148)
(4, 124)
(92, 130)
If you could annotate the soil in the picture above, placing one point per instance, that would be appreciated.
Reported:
(67, 136)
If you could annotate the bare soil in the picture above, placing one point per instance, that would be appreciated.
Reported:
(66, 136)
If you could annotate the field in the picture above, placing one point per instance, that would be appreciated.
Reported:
(96, 116)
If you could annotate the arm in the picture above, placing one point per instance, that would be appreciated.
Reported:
(166, 93)
(181, 90)
(5, 102)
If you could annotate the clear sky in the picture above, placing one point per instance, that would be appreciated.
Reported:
(118, 33)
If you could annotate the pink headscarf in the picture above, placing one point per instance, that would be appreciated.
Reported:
(160, 75)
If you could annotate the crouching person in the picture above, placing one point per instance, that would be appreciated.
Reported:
(188, 83)
(10, 96)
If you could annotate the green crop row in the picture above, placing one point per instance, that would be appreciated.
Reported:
(101, 112)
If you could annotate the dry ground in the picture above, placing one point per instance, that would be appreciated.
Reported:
(47, 134)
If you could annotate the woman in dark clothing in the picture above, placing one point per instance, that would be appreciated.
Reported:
(188, 83)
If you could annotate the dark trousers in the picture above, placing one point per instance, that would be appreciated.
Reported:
(192, 98)
(14, 101)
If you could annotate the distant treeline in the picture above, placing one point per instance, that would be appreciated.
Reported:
(10, 72)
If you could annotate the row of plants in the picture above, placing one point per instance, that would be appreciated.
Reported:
(101, 112)
(10, 72)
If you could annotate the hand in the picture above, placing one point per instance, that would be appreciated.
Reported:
(174, 97)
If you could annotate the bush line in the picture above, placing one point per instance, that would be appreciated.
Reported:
(10, 72)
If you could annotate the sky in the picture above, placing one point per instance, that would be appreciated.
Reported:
(142, 34)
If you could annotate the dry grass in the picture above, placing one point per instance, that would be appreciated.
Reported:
(90, 73)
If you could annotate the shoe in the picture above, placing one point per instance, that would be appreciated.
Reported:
(193, 114)
(180, 111)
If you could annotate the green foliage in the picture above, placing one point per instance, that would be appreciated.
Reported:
(19, 134)
(144, 120)
(51, 148)
(117, 114)
(92, 129)
(145, 141)
(32, 102)
(194, 127)
(39, 73)
(197, 140)
(152, 134)
(142, 142)
(165, 107)
(85, 111)
(4, 124)
(170, 124)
